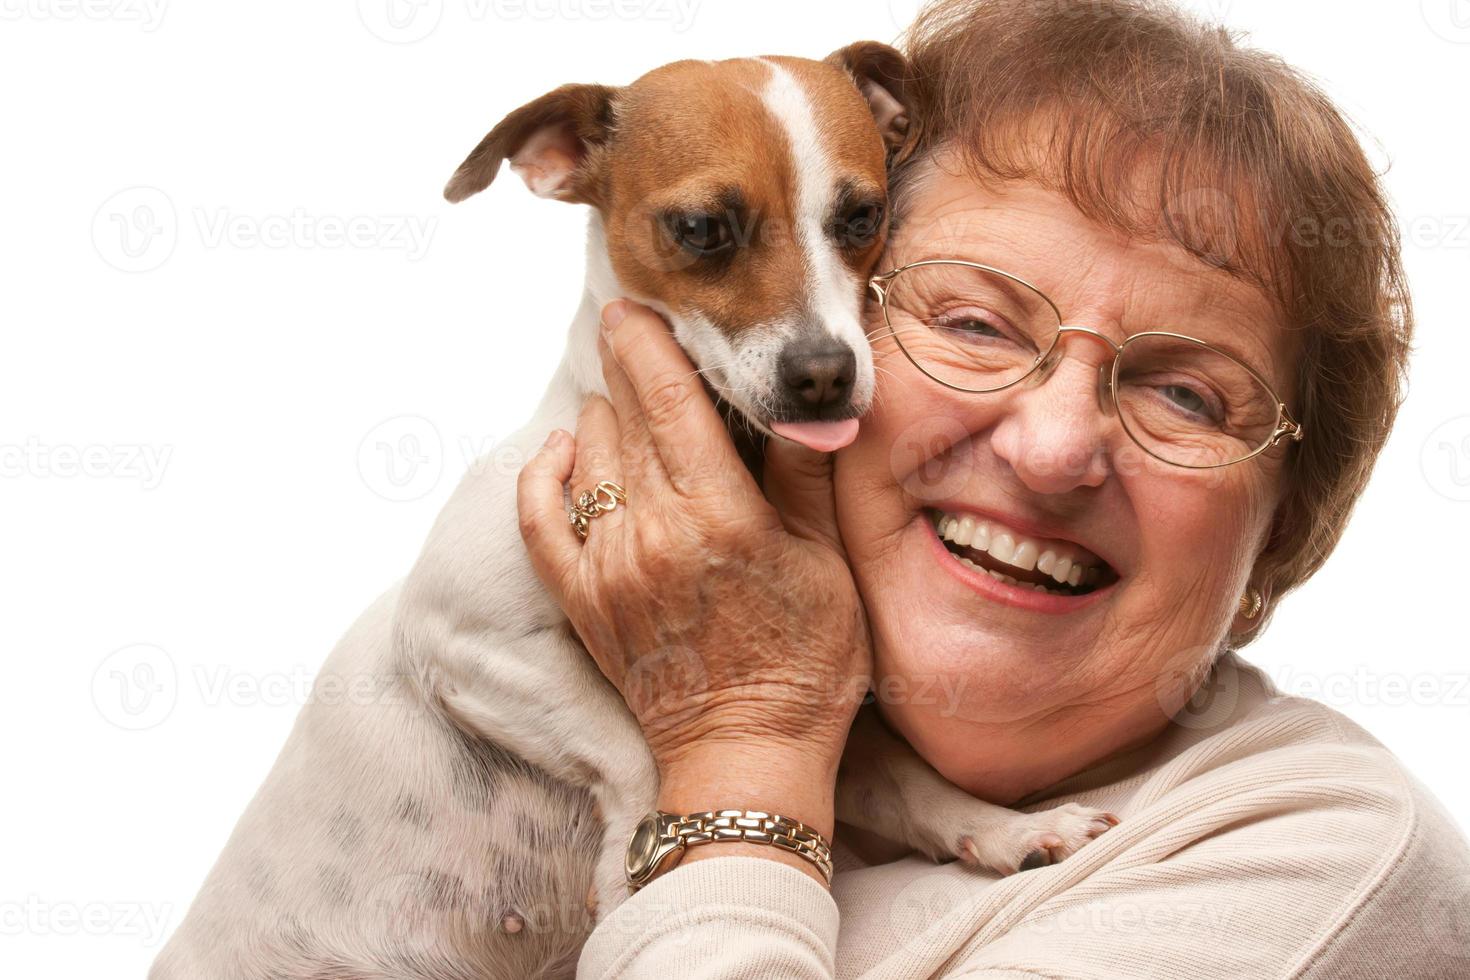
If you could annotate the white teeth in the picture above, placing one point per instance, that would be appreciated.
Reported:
(1015, 550)
(964, 531)
(981, 540)
(1002, 547)
(1008, 580)
(1062, 569)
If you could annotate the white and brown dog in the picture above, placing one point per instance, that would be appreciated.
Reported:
(455, 798)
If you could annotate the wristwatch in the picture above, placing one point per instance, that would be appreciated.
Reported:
(660, 839)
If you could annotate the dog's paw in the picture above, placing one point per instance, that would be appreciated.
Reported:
(1033, 840)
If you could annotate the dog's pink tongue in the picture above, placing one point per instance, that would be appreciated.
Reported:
(824, 437)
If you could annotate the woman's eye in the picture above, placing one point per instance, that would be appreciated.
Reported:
(859, 227)
(1184, 398)
(1191, 401)
(973, 326)
(702, 234)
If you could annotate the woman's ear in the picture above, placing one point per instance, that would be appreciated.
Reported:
(549, 143)
(1266, 572)
(882, 74)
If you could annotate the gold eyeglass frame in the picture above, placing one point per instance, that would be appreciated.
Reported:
(1286, 426)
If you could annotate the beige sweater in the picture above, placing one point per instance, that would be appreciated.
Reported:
(1261, 836)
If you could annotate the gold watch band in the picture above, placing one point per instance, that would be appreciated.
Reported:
(756, 827)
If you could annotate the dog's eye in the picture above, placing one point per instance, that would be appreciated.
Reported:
(859, 227)
(702, 234)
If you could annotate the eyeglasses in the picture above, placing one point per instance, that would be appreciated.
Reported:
(977, 329)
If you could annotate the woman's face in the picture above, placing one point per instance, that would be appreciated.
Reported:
(1002, 688)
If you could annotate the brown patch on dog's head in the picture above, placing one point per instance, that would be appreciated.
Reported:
(744, 199)
(700, 162)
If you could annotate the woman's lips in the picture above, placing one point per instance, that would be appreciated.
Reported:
(1063, 566)
(1018, 596)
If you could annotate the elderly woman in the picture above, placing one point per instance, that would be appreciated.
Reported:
(1142, 330)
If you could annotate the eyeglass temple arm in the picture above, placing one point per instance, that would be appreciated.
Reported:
(878, 283)
(1288, 427)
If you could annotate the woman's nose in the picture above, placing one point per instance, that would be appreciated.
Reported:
(1052, 432)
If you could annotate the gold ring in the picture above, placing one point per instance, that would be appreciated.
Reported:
(594, 503)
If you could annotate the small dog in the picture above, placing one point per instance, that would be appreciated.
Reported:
(456, 797)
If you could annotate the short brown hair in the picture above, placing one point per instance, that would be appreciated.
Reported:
(1097, 98)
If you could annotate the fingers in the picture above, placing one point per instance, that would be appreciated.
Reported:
(639, 454)
(798, 483)
(598, 459)
(656, 390)
(550, 540)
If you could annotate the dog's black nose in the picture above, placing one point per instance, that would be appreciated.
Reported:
(818, 371)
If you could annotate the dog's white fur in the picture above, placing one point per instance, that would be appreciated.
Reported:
(450, 824)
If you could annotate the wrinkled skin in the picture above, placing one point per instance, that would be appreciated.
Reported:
(754, 605)
(1047, 695)
(696, 598)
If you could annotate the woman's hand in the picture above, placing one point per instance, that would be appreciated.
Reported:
(729, 623)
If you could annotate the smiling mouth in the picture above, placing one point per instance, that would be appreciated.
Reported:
(1053, 567)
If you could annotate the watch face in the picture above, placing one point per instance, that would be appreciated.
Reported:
(641, 847)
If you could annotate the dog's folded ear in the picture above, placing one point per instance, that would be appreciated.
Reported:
(883, 75)
(550, 143)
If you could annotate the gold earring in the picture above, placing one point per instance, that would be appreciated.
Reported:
(1251, 602)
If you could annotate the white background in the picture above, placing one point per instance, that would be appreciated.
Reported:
(225, 430)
